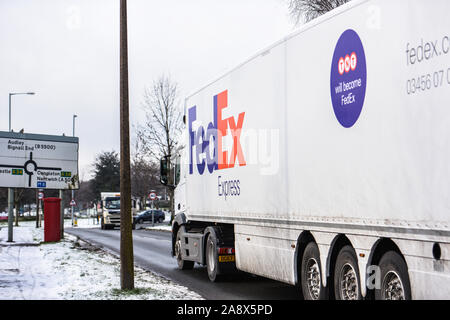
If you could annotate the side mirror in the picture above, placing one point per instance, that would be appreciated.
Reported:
(164, 171)
(177, 171)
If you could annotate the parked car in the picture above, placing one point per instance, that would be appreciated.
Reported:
(146, 216)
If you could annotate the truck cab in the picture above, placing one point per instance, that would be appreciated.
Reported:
(110, 210)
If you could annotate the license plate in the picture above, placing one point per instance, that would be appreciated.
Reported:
(229, 258)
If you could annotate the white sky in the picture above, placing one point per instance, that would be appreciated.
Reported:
(67, 51)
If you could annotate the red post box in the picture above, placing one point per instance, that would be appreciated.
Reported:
(52, 231)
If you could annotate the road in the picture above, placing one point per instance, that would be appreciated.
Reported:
(152, 252)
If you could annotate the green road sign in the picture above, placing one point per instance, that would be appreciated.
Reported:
(66, 174)
(17, 172)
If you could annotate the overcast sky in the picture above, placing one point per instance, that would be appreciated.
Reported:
(67, 51)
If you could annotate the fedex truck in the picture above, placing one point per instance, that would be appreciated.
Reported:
(324, 160)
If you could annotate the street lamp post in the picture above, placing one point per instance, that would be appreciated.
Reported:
(15, 94)
(73, 125)
(73, 134)
(11, 190)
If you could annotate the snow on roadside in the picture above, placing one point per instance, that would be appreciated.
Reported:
(91, 223)
(161, 227)
(74, 270)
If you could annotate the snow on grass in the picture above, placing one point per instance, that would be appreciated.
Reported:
(73, 270)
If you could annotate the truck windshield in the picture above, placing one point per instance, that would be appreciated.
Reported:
(112, 203)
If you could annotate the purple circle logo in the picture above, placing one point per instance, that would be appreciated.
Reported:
(348, 78)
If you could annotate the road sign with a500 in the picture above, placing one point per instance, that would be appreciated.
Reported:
(38, 161)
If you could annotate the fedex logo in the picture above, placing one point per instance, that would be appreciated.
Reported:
(209, 152)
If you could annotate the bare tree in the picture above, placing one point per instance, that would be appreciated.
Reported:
(307, 10)
(18, 194)
(85, 194)
(159, 136)
(144, 174)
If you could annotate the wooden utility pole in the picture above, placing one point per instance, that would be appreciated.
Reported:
(126, 236)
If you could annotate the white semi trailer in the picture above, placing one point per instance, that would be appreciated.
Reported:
(324, 160)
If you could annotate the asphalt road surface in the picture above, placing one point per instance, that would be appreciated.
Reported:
(152, 252)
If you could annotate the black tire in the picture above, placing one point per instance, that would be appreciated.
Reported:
(212, 261)
(347, 269)
(311, 267)
(182, 264)
(161, 220)
(393, 270)
(102, 224)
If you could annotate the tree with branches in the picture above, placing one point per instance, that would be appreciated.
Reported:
(106, 173)
(159, 135)
(144, 174)
(307, 10)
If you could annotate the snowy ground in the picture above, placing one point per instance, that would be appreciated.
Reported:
(71, 269)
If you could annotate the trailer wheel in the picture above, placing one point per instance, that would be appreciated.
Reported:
(212, 262)
(182, 264)
(311, 276)
(394, 278)
(346, 275)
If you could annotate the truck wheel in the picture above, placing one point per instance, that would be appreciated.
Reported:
(311, 276)
(394, 278)
(212, 262)
(346, 276)
(182, 264)
(102, 224)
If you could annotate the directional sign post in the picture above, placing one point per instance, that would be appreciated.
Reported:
(74, 219)
(37, 161)
(40, 199)
(152, 197)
